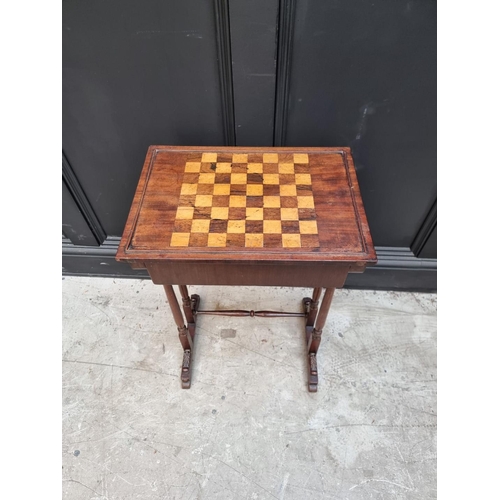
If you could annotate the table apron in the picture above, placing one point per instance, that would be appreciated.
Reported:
(321, 274)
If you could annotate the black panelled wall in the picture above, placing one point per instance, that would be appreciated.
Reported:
(223, 72)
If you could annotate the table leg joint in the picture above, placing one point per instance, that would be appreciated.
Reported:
(195, 303)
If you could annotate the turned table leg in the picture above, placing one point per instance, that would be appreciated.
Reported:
(190, 305)
(186, 334)
(313, 333)
(311, 306)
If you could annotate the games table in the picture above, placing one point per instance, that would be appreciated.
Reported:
(248, 216)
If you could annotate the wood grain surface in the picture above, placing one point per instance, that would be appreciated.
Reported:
(178, 182)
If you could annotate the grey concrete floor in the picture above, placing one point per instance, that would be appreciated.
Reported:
(248, 428)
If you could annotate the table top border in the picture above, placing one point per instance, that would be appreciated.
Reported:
(126, 253)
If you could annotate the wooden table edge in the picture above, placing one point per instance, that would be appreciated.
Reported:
(125, 253)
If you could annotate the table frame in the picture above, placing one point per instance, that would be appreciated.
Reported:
(314, 312)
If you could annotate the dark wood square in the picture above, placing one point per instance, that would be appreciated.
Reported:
(304, 190)
(202, 213)
(255, 201)
(187, 200)
(218, 226)
(309, 240)
(208, 168)
(255, 179)
(198, 239)
(182, 226)
(224, 157)
(239, 168)
(307, 214)
(238, 189)
(272, 214)
(290, 227)
(271, 190)
(285, 157)
(235, 240)
(301, 168)
(205, 189)
(237, 213)
(191, 178)
(288, 201)
(272, 241)
(254, 226)
(287, 179)
(254, 157)
(222, 178)
(270, 168)
(220, 201)
(194, 156)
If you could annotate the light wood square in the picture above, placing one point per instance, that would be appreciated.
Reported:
(203, 200)
(206, 178)
(272, 227)
(288, 190)
(236, 226)
(223, 168)
(254, 240)
(270, 158)
(254, 168)
(255, 213)
(220, 213)
(240, 158)
(208, 157)
(222, 189)
(217, 240)
(308, 227)
(237, 201)
(255, 189)
(289, 214)
(305, 201)
(238, 178)
(179, 240)
(192, 166)
(286, 168)
(271, 202)
(300, 179)
(291, 240)
(300, 158)
(184, 213)
(271, 178)
(200, 226)
(189, 188)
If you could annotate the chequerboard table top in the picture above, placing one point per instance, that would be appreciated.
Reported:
(217, 203)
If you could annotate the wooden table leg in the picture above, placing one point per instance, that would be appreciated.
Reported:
(190, 306)
(311, 306)
(313, 335)
(186, 335)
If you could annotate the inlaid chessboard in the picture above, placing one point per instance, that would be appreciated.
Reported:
(246, 200)
(246, 205)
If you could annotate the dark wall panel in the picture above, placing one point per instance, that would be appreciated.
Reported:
(429, 250)
(74, 225)
(135, 74)
(311, 73)
(363, 74)
(253, 50)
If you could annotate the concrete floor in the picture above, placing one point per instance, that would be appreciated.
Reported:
(248, 428)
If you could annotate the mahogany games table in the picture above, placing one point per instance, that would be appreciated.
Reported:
(248, 216)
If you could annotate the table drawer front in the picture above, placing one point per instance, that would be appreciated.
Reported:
(328, 275)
